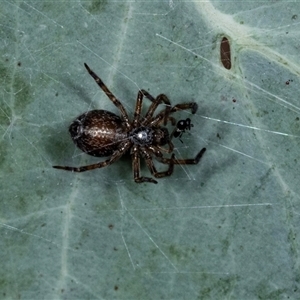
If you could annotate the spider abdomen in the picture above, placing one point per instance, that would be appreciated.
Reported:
(98, 132)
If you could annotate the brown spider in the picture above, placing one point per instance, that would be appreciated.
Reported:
(102, 133)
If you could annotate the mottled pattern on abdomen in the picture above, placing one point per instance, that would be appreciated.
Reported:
(98, 132)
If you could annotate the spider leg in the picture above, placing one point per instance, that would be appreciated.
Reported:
(153, 170)
(101, 164)
(184, 106)
(166, 115)
(138, 106)
(157, 150)
(160, 118)
(138, 109)
(170, 148)
(154, 151)
(136, 166)
(109, 94)
(186, 161)
(155, 102)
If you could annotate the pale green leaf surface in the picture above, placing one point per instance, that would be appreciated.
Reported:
(224, 229)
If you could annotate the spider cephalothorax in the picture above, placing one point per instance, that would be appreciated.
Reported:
(102, 133)
(148, 136)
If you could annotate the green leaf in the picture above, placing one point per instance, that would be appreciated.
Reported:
(223, 229)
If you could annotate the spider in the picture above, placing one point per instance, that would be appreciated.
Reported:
(102, 133)
(181, 127)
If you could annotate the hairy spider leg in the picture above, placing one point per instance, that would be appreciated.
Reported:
(110, 95)
(186, 161)
(138, 109)
(169, 150)
(155, 102)
(162, 98)
(136, 166)
(153, 170)
(101, 164)
(183, 106)
(193, 106)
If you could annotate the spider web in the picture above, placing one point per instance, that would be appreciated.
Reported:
(226, 228)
